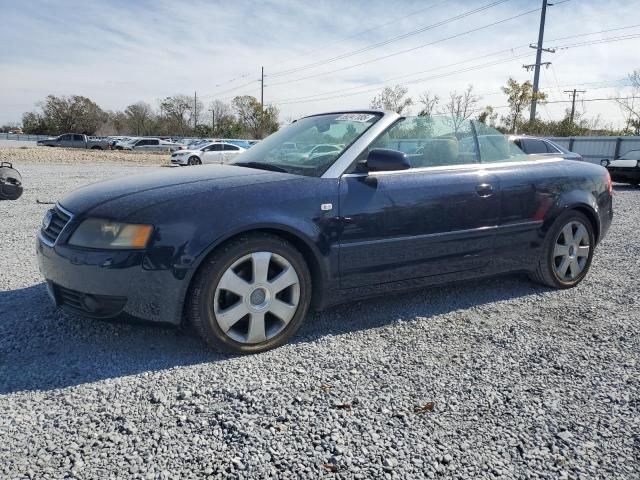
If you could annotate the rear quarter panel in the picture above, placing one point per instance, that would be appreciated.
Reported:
(534, 195)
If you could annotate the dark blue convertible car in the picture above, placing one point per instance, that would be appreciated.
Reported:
(244, 250)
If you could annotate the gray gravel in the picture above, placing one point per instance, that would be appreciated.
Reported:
(491, 379)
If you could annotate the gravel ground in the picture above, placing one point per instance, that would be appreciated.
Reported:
(21, 155)
(490, 379)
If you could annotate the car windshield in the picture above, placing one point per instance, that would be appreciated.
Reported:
(336, 129)
(632, 155)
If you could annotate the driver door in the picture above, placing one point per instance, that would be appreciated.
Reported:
(213, 154)
(437, 217)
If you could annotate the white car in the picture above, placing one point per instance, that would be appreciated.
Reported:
(214, 152)
(625, 168)
(149, 145)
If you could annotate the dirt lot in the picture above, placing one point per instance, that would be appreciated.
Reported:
(74, 156)
(498, 378)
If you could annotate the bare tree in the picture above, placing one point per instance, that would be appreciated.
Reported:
(221, 114)
(429, 103)
(139, 118)
(630, 106)
(461, 106)
(392, 98)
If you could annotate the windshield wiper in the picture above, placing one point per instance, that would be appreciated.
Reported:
(262, 166)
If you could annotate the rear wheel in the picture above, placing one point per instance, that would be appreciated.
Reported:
(251, 295)
(194, 161)
(567, 251)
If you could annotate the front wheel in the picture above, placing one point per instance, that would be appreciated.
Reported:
(567, 251)
(194, 161)
(251, 295)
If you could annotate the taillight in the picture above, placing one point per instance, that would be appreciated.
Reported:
(609, 184)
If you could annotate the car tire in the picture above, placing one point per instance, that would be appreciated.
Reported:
(260, 314)
(564, 251)
(194, 161)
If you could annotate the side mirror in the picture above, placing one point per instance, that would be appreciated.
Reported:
(386, 160)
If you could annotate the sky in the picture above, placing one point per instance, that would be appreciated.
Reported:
(317, 56)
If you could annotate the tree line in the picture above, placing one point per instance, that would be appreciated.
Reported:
(244, 117)
(466, 105)
(178, 115)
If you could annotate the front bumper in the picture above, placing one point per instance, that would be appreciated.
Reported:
(624, 174)
(105, 284)
(179, 160)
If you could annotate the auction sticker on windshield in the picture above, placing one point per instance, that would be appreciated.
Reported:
(355, 117)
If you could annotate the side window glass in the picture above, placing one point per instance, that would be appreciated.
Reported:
(154, 142)
(495, 146)
(232, 148)
(78, 138)
(532, 145)
(430, 141)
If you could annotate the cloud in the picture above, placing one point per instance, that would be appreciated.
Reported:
(118, 52)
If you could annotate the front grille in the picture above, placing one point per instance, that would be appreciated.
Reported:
(59, 220)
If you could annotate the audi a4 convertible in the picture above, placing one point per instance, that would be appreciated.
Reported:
(243, 251)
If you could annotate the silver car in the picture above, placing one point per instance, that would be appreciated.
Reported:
(150, 145)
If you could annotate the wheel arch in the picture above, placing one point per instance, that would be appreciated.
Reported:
(589, 212)
(310, 253)
(578, 200)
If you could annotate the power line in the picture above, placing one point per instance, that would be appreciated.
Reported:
(240, 77)
(252, 82)
(376, 27)
(348, 67)
(388, 41)
(332, 94)
(420, 80)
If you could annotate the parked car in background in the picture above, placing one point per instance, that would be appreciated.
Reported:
(625, 168)
(309, 152)
(75, 140)
(149, 145)
(213, 152)
(543, 146)
(242, 251)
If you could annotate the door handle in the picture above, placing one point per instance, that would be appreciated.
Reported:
(484, 189)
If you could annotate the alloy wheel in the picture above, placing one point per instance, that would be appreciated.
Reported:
(571, 251)
(256, 297)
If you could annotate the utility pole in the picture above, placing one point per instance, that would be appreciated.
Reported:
(195, 110)
(262, 91)
(536, 66)
(213, 120)
(572, 93)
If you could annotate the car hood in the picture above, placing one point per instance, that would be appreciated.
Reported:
(624, 163)
(122, 196)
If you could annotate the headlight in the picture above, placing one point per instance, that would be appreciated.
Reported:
(99, 233)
